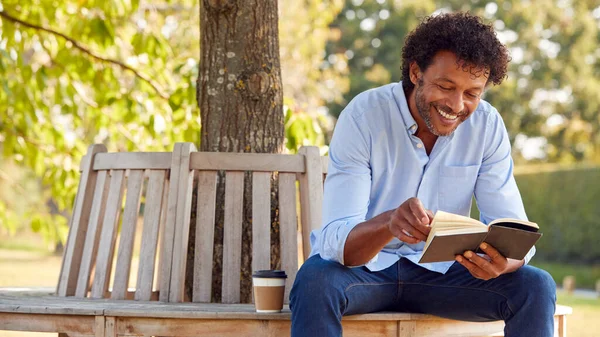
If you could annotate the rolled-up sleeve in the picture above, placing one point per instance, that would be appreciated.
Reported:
(496, 190)
(347, 187)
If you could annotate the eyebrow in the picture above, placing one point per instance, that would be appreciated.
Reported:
(446, 79)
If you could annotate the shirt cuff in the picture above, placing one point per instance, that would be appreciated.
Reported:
(332, 240)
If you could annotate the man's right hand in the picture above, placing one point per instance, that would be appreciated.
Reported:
(410, 221)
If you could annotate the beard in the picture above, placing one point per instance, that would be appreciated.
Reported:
(424, 110)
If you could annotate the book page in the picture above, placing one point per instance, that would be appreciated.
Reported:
(447, 221)
(522, 224)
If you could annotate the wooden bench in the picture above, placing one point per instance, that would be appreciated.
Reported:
(92, 300)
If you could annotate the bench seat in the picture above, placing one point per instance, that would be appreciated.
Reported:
(186, 319)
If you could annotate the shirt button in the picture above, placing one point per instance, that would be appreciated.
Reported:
(414, 127)
(419, 145)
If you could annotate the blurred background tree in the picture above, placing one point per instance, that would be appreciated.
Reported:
(123, 72)
(550, 99)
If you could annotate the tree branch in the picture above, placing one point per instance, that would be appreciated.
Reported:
(86, 51)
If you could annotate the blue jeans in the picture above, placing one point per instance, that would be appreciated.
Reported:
(324, 291)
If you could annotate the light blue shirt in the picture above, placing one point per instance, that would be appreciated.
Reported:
(376, 162)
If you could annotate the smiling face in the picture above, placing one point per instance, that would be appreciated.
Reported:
(446, 94)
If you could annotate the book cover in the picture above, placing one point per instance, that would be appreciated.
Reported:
(511, 237)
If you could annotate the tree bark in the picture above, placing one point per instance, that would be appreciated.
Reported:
(241, 103)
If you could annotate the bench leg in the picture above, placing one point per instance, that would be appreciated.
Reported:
(110, 327)
(407, 329)
(562, 326)
(99, 326)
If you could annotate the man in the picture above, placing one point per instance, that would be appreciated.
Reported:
(401, 152)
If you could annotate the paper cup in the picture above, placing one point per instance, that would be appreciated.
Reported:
(269, 289)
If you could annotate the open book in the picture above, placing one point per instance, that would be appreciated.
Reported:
(453, 234)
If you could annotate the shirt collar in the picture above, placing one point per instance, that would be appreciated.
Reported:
(401, 101)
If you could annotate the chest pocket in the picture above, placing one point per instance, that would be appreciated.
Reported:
(457, 184)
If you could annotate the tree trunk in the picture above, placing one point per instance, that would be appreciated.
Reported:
(241, 103)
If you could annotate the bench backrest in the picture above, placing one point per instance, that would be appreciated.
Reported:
(112, 188)
(304, 168)
(164, 183)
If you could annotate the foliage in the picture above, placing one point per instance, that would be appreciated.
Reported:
(122, 73)
(549, 100)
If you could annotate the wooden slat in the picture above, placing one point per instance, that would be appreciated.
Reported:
(239, 328)
(78, 224)
(182, 224)
(288, 229)
(99, 326)
(111, 327)
(128, 229)
(108, 234)
(324, 164)
(205, 228)
(311, 195)
(247, 162)
(161, 231)
(92, 237)
(261, 220)
(148, 249)
(71, 324)
(133, 161)
(168, 235)
(407, 329)
(232, 236)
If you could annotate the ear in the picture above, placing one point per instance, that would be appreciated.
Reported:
(414, 72)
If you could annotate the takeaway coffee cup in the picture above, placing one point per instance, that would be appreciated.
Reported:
(269, 288)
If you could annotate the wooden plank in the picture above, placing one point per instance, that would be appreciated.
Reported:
(407, 329)
(370, 329)
(133, 161)
(182, 224)
(261, 220)
(238, 328)
(311, 195)
(324, 164)
(161, 231)
(111, 327)
(450, 328)
(90, 248)
(562, 326)
(148, 249)
(247, 162)
(108, 235)
(99, 326)
(189, 327)
(71, 324)
(168, 234)
(232, 236)
(78, 224)
(128, 229)
(288, 229)
(205, 229)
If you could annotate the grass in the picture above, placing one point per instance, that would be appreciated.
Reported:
(36, 268)
(585, 276)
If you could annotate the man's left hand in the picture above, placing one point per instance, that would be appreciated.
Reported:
(490, 266)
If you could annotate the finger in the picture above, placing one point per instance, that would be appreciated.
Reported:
(494, 254)
(430, 215)
(416, 207)
(482, 263)
(399, 232)
(472, 268)
(408, 239)
(412, 225)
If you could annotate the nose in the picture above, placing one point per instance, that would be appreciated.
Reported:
(456, 102)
